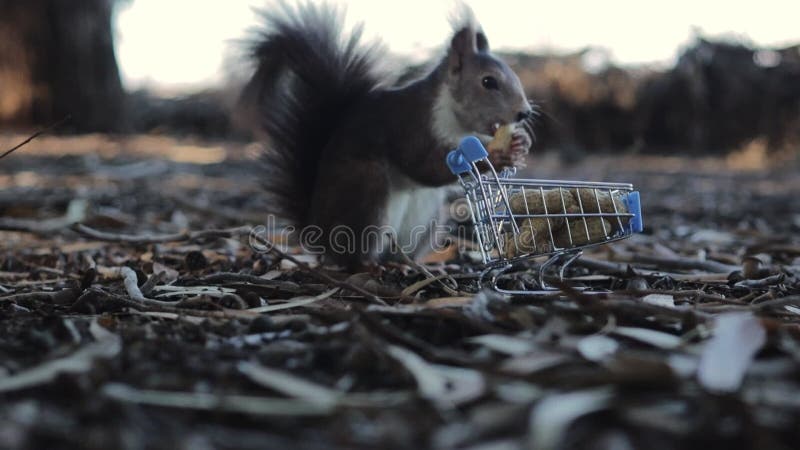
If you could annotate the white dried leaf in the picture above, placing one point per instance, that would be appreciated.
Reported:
(534, 362)
(106, 346)
(730, 351)
(666, 301)
(683, 365)
(272, 275)
(289, 384)
(202, 401)
(518, 392)
(295, 302)
(712, 237)
(445, 386)
(310, 260)
(510, 345)
(553, 415)
(170, 274)
(793, 309)
(655, 338)
(597, 347)
(478, 308)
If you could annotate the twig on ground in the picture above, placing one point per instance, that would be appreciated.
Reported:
(227, 277)
(291, 385)
(34, 136)
(13, 276)
(29, 297)
(130, 279)
(227, 233)
(621, 270)
(413, 288)
(170, 307)
(318, 274)
(153, 281)
(452, 290)
(295, 303)
(106, 346)
(229, 403)
(791, 300)
(677, 263)
(159, 239)
(226, 213)
(76, 212)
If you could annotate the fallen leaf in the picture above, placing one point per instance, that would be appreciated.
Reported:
(666, 301)
(289, 384)
(730, 351)
(106, 345)
(552, 416)
(597, 347)
(295, 302)
(510, 345)
(655, 338)
(170, 274)
(793, 309)
(446, 302)
(534, 362)
(445, 386)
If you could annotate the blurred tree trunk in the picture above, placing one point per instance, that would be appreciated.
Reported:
(57, 59)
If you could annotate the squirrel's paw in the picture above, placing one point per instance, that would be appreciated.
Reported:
(514, 155)
(520, 141)
(502, 160)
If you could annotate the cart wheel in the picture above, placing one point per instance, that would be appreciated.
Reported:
(488, 278)
(565, 260)
(491, 275)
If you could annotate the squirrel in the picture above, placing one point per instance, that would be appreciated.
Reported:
(350, 154)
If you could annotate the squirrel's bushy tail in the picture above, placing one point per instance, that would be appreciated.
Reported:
(307, 75)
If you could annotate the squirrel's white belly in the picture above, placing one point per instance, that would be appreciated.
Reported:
(413, 214)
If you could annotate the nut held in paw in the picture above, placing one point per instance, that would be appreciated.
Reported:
(502, 139)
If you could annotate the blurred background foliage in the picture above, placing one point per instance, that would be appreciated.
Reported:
(57, 58)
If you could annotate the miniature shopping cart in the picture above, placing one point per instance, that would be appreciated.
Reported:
(516, 219)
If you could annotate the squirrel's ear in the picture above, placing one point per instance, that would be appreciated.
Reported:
(481, 42)
(462, 46)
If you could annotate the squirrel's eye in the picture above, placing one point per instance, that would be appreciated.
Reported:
(490, 83)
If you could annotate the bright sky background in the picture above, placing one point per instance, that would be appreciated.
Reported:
(182, 44)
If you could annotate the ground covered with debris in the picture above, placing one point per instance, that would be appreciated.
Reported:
(134, 313)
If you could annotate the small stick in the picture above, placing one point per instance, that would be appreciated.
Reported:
(790, 300)
(195, 235)
(34, 136)
(424, 270)
(131, 281)
(154, 280)
(76, 212)
(30, 297)
(219, 211)
(158, 239)
(171, 307)
(679, 263)
(228, 277)
(318, 274)
(412, 289)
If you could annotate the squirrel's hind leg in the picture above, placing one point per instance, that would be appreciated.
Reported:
(349, 201)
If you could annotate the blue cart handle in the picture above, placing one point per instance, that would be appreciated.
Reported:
(634, 207)
(469, 150)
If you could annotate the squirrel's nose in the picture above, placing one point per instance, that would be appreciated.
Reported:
(524, 115)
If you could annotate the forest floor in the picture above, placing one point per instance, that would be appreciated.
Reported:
(156, 324)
